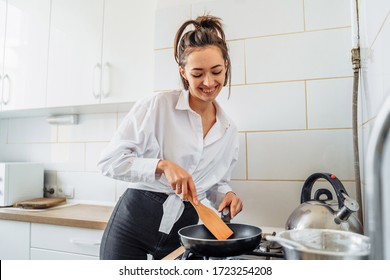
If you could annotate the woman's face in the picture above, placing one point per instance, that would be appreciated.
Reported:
(205, 72)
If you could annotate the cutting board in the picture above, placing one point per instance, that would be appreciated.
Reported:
(41, 203)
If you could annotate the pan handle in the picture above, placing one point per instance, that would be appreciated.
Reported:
(225, 215)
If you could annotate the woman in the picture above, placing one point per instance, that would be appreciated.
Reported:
(170, 145)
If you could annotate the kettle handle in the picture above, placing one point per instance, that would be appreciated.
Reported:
(320, 192)
(331, 178)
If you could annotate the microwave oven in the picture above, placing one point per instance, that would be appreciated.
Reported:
(20, 181)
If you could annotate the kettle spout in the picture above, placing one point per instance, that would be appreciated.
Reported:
(350, 206)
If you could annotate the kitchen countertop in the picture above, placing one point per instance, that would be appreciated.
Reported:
(76, 215)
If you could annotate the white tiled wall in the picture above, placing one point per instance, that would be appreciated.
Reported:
(291, 87)
(290, 97)
(375, 75)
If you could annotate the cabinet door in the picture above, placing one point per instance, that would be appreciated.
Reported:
(42, 254)
(14, 240)
(75, 52)
(3, 9)
(127, 50)
(25, 56)
(67, 239)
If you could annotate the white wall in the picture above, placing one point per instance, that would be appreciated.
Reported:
(291, 99)
(291, 94)
(375, 44)
(375, 82)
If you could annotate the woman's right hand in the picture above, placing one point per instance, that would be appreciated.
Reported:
(179, 179)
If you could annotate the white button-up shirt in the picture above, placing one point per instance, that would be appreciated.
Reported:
(165, 127)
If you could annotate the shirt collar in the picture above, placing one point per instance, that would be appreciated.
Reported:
(183, 104)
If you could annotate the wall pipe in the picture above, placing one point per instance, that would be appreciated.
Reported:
(355, 57)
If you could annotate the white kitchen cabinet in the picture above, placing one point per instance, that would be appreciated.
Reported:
(42, 254)
(25, 36)
(100, 51)
(74, 66)
(63, 242)
(14, 240)
(128, 57)
(3, 18)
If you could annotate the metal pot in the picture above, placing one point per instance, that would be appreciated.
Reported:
(199, 240)
(322, 244)
(325, 213)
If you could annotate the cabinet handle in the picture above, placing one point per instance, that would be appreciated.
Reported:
(6, 89)
(106, 79)
(84, 242)
(97, 71)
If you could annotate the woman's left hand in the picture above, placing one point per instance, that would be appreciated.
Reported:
(232, 201)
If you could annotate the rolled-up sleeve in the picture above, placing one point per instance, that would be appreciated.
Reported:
(132, 154)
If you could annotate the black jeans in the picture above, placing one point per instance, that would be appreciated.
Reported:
(132, 231)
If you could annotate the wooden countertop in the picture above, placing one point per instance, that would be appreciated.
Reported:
(77, 215)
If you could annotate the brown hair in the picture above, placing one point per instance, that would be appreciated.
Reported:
(207, 31)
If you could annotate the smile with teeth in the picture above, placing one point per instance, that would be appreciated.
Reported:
(210, 90)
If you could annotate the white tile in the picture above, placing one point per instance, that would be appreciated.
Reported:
(375, 78)
(365, 142)
(295, 154)
(372, 15)
(366, 138)
(372, 89)
(269, 204)
(239, 171)
(266, 204)
(88, 186)
(3, 131)
(161, 4)
(266, 107)
(92, 155)
(329, 103)
(166, 75)
(3, 155)
(31, 130)
(24, 152)
(321, 14)
(168, 20)
(251, 18)
(64, 157)
(91, 127)
(308, 55)
(237, 57)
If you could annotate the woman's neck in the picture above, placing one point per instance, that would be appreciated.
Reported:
(201, 107)
(207, 111)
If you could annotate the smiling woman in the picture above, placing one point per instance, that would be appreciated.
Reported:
(171, 146)
(208, 32)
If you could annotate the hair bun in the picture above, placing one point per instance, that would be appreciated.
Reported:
(207, 21)
(212, 23)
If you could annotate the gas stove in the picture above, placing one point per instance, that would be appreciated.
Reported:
(266, 250)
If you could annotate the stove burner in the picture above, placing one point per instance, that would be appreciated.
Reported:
(267, 250)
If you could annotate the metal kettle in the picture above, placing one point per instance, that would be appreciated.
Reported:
(325, 213)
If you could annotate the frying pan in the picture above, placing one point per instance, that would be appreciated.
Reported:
(199, 240)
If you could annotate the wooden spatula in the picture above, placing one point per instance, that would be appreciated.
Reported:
(211, 220)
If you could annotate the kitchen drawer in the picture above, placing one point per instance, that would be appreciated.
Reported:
(43, 254)
(66, 239)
